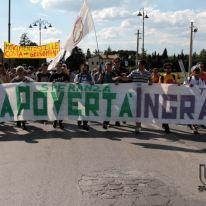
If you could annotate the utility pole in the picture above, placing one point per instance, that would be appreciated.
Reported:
(191, 47)
(137, 52)
(192, 30)
(9, 22)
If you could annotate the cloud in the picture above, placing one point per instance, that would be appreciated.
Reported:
(74, 5)
(111, 33)
(117, 21)
(48, 35)
(35, 1)
(60, 4)
(111, 13)
(127, 23)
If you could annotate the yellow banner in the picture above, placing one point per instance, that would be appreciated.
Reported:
(12, 51)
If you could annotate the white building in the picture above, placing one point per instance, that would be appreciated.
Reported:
(101, 59)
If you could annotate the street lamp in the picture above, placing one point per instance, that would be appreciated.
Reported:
(41, 24)
(9, 22)
(144, 16)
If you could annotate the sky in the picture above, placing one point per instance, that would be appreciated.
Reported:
(116, 22)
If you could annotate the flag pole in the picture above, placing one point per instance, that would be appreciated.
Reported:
(95, 32)
(63, 56)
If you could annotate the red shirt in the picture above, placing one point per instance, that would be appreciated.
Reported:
(203, 76)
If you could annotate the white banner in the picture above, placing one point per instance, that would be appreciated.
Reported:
(130, 102)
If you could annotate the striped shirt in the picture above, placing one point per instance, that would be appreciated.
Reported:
(138, 76)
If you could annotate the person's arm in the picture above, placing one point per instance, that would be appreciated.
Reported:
(76, 79)
(150, 82)
(67, 78)
(92, 80)
(28, 79)
(51, 78)
(161, 79)
(123, 78)
(7, 78)
(100, 79)
(190, 81)
(38, 77)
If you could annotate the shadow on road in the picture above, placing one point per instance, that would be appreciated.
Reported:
(169, 148)
(37, 131)
(174, 136)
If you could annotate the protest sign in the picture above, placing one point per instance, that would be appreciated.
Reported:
(159, 103)
(12, 51)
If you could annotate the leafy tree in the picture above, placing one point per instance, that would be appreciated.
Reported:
(96, 52)
(164, 55)
(88, 55)
(202, 56)
(25, 41)
(76, 59)
(108, 51)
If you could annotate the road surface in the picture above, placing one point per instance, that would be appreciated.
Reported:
(72, 167)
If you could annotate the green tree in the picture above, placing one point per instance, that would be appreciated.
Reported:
(95, 52)
(25, 41)
(202, 56)
(76, 59)
(88, 55)
(165, 55)
(108, 51)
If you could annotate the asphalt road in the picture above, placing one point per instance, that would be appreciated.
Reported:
(48, 167)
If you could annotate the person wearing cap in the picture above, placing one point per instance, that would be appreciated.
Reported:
(195, 80)
(107, 76)
(59, 76)
(195, 77)
(84, 77)
(21, 77)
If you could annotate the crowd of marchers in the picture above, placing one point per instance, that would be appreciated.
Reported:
(110, 72)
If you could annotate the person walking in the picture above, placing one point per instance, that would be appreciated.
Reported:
(21, 77)
(140, 75)
(167, 78)
(84, 77)
(59, 76)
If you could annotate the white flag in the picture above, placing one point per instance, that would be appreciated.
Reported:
(54, 62)
(83, 25)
